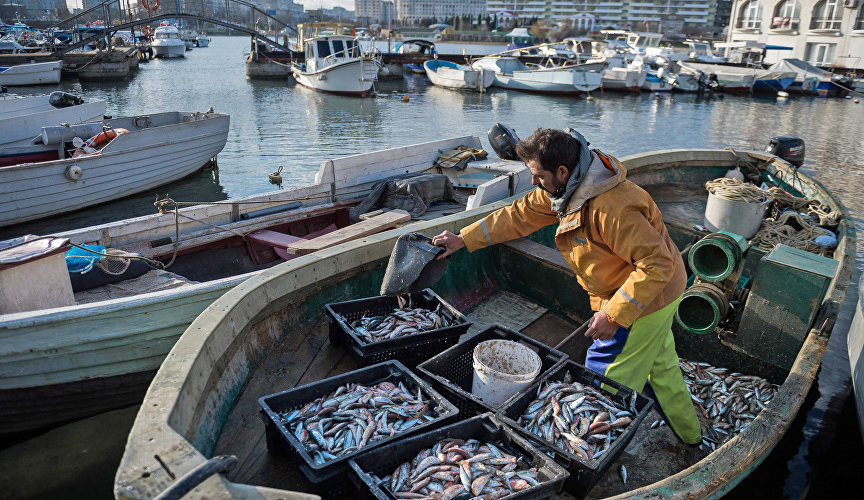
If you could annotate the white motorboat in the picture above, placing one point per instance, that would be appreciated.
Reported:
(202, 41)
(335, 64)
(511, 73)
(457, 76)
(43, 73)
(189, 37)
(62, 362)
(22, 118)
(154, 150)
(167, 43)
(731, 79)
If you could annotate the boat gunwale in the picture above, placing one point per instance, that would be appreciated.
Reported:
(163, 422)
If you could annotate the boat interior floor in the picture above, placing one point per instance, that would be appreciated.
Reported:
(306, 356)
(152, 281)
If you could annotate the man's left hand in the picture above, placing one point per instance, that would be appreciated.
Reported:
(601, 327)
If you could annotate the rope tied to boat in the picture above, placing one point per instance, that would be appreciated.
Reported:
(735, 190)
(826, 216)
(785, 230)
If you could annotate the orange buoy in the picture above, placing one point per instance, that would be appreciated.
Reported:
(90, 145)
(405, 98)
(148, 7)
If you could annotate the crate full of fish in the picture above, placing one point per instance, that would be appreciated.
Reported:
(572, 413)
(410, 327)
(452, 371)
(327, 422)
(479, 457)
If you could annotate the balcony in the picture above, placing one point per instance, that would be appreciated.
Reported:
(785, 24)
(749, 25)
(825, 24)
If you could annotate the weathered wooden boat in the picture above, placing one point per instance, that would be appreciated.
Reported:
(22, 118)
(153, 151)
(42, 73)
(855, 346)
(77, 360)
(269, 334)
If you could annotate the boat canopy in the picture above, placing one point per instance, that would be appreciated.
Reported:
(800, 67)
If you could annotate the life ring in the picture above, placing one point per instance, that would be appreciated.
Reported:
(90, 145)
(147, 30)
(155, 6)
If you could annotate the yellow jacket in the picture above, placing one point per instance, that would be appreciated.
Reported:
(612, 235)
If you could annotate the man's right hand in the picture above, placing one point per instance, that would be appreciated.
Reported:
(451, 242)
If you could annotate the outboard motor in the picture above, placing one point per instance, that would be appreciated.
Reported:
(60, 99)
(503, 140)
(788, 148)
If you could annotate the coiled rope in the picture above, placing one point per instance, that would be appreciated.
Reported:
(783, 230)
(734, 190)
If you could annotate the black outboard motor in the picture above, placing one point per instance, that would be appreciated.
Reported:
(64, 100)
(788, 148)
(503, 140)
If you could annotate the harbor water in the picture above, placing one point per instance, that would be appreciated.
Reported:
(278, 123)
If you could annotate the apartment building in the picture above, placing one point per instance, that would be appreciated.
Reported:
(414, 10)
(822, 32)
(616, 13)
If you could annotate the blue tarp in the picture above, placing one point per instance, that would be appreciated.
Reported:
(82, 261)
(778, 47)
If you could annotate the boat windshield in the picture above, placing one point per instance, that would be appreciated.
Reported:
(339, 48)
(350, 45)
(167, 35)
(323, 48)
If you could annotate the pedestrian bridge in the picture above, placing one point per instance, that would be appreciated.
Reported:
(115, 15)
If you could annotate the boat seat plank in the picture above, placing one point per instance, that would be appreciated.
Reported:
(507, 309)
(540, 252)
(273, 238)
(367, 227)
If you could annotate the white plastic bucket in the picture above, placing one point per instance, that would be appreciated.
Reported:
(501, 369)
(737, 217)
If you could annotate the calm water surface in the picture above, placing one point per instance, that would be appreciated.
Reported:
(279, 123)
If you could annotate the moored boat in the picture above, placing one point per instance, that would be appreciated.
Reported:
(167, 43)
(269, 334)
(335, 64)
(457, 76)
(22, 118)
(71, 361)
(122, 156)
(43, 73)
(735, 78)
(511, 73)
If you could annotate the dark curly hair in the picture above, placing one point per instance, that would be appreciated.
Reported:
(550, 148)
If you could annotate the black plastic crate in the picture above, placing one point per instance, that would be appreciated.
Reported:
(583, 474)
(452, 371)
(281, 440)
(411, 349)
(372, 467)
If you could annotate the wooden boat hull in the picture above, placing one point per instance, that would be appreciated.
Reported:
(187, 404)
(350, 78)
(855, 346)
(131, 163)
(46, 73)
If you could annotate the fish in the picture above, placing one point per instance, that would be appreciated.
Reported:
(401, 322)
(730, 400)
(355, 415)
(584, 421)
(468, 468)
(623, 472)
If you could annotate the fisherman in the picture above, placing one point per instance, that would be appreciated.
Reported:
(612, 235)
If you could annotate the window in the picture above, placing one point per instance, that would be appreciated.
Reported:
(350, 46)
(338, 48)
(826, 16)
(787, 15)
(323, 48)
(750, 16)
(820, 54)
(859, 18)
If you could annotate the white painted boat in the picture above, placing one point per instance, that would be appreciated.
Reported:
(73, 361)
(22, 118)
(158, 149)
(619, 75)
(731, 79)
(457, 76)
(334, 64)
(202, 41)
(511, 73)
(167, 43)
(43, 73)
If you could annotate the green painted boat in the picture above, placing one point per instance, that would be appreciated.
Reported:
(270, 334)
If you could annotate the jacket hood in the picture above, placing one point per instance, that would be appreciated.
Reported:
(599, 179)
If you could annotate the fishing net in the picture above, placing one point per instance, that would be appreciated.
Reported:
(116, 263)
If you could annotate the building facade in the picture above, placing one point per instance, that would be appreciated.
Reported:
(415, 10)
(368, 11)
(825, 33)
(614, 13)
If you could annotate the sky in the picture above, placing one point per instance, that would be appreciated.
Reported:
(309, 4)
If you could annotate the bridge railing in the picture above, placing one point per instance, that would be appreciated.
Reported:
(116, 15)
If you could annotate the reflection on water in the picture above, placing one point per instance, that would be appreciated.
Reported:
(280, 123)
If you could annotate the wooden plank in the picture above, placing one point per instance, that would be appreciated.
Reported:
(538, 251)
(506, 309)
(367, 227)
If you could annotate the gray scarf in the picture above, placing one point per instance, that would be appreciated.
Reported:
(559, 203)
